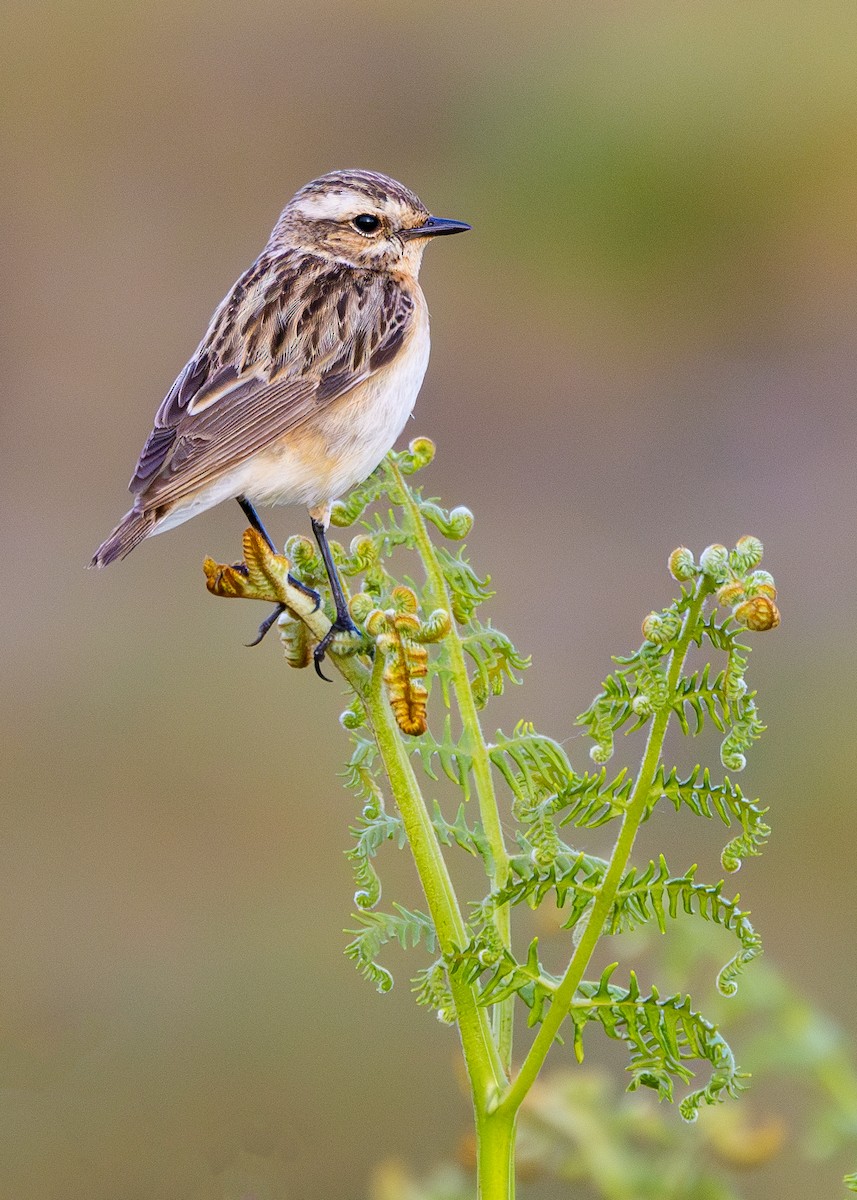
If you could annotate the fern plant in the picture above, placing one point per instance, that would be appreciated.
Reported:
(420, 675)
(576, 1128)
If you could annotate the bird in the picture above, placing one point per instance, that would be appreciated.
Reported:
(306, 375)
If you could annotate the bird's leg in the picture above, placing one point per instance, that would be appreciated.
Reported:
(343, 622)
(256, 523)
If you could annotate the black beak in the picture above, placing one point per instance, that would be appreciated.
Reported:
(434, 227)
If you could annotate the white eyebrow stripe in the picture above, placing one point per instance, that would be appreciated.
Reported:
(333, 206)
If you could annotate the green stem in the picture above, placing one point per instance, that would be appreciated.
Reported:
(495, 1164)
(474, 742)
(484, 1068)
(604, 900)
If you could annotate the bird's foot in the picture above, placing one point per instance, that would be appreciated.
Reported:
(264, 575)
(270, 620)
(307, 591)
(331, 641)
(274, 616)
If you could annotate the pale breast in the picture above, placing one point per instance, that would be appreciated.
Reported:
(344, 444)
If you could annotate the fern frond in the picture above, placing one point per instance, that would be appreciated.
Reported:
(467, 590)
(387, 533)
(453, 758)
(662, 1036)
(642, 897)
(506, 976)
(592, 801)
(611, 707)
(532, 765)
(359, 773)
(453, 523)
(495, 660)
(405, 926)
(651, 680)
(374, 830)
(746, 729)
(653, 895)
(723, 636)
(629, 696)
(703, 697)
(459, 832)
(431, 989)
(348, 511)
(420, 452)
(726, 799)
(665, 1037)
(539, 836)
(568, 874)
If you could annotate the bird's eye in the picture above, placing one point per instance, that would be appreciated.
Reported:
(366, 223)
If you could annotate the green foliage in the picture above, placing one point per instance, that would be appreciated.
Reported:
(431, 989)
(661, 1035)
(651, 895)
(578, 1128)
(459, 833)
(495, 660)
(376, 929)
(426, 667)
(704, 798)
(648, 688)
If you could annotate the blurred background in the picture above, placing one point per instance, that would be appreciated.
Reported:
(649, 339)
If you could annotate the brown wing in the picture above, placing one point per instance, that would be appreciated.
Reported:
(294, 333)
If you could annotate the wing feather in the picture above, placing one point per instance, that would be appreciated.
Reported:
(295, 333)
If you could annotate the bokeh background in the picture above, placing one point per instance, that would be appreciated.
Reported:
(650, 338)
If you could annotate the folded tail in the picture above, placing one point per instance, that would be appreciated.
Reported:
(130, 531)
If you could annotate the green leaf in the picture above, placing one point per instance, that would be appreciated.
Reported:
(375, 929)
(702, 697)
(532, 765)
(608, 712)
(467, 590)
(506, 976)
(662, 1036)
(705, 798)
(453, 758)
(346, 512)
(459, 832)
(495, 660)
(654, 895)
(592, 801)
(431, 989)
(574, 878)
(376, 827)
(454, 523)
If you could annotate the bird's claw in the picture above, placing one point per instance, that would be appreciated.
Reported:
(270, 620)
(339, 626)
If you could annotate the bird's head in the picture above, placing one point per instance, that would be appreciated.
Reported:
(361, 218)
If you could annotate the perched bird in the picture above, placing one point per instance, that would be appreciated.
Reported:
(307, 373)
